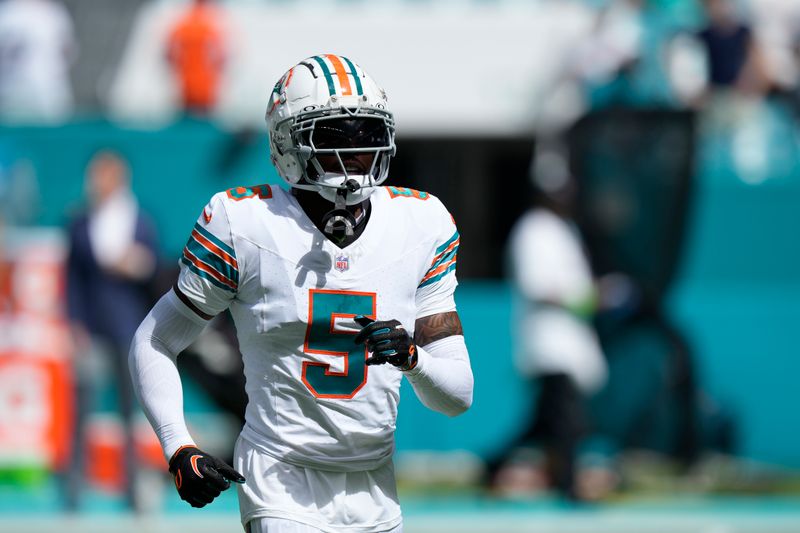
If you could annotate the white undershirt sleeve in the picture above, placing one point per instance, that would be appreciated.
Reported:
(442, 379)
(165, 332)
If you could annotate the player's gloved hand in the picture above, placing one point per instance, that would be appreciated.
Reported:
(199, 477)
(388, 341)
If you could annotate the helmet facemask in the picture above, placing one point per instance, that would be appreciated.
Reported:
(341, 148)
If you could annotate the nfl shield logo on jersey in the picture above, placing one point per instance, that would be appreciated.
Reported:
(342, 263)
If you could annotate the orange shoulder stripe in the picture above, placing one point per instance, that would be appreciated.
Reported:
(208, 269)
(216, 250)
(438, 270)
(446, 251)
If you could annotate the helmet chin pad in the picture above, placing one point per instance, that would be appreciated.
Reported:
(330, 183)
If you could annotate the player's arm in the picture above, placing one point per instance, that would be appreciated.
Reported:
(166, 331)
(435, 361)
(207, 283)
(436, 327)
(442, 378)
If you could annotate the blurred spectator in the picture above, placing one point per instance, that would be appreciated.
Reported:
(734, 58)
(196, 50)
(733, 103)
(36, 49)
(559, 353)
(621, 62)
(605, 60)
(112, 256)
(777, 25)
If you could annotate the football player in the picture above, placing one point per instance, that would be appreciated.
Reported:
(339, 287)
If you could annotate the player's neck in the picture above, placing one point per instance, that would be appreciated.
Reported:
(316, 207)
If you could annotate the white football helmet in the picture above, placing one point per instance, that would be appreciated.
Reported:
(322, 113)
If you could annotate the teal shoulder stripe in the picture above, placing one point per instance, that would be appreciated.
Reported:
(450, 241)
(350, 64)
(205, 275)
(328, 77)
(213, 261)
(444, 259)
(436, 278)
(210, 265)
(211, 237)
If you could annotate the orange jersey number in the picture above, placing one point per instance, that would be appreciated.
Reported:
(405, 192)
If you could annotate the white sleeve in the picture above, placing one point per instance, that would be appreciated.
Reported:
(548, 260)
(442, 379)
(438, 284)
(165, 332)
(210, 268)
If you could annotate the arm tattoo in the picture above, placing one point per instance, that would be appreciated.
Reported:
(434, 327)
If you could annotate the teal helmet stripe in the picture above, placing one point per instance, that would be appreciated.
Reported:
(327, 72)
(354, 71)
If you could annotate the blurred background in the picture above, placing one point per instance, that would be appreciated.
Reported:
(625, 175)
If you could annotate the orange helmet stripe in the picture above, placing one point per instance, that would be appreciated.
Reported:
(341, 73)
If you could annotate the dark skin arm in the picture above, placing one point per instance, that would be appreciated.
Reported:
(432, 328)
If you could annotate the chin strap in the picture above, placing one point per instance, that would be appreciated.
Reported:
(339, 222)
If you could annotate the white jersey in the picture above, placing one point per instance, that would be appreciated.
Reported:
(293, 295)
(549, 264)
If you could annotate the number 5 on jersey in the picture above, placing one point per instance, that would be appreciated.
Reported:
(325, 308)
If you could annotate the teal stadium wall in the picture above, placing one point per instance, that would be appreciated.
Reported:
(737, 298)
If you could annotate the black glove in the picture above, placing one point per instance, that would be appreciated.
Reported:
(200, 477)
(388, 341)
